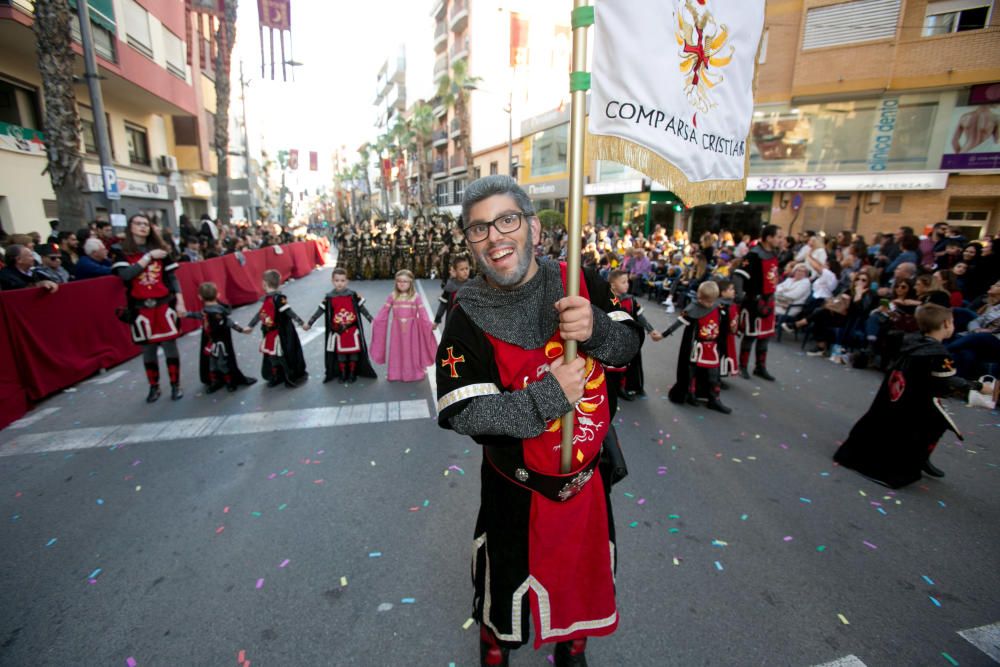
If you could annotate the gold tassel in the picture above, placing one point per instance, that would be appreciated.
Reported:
(640, 158)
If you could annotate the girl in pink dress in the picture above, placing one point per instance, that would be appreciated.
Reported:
(412, 346)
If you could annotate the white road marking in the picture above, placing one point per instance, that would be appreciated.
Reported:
(986, 638)
(432, 373)
(846, 661)
(38, 415)
(203, 427)
(107, 378)
(312, 334)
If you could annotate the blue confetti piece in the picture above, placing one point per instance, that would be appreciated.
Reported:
(15, 517)
(50, 542)
(806, 500)
(928, 580)
(882, 511)
(934, 600)
(100, 501)
(941, 503)
(95, 574)
(718, 566)
(744, 517)
(375, 554)
(408, 600)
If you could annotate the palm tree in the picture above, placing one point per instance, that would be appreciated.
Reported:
(454, 92)
(365, 153)
(422, 126)
(62, 124)
(225, 38)
(402, 137)
(383, 147)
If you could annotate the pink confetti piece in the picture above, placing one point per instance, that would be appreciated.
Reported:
(130, 661)
(641, 501)
(788, 538)
(136, 462)
(225, 510)
(284, 563)
(219, 530)
(272, 475)
(319, 481)
(260, 583)
(869, 544)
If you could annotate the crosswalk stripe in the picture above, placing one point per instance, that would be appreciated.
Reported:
(846, 661)
(986, 638)
(107, 378)
(202, 427)
(36, 416)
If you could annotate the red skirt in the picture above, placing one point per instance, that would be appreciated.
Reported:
(155, 325)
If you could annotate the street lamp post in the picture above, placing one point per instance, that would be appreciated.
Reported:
(96, 102)
(252, 217)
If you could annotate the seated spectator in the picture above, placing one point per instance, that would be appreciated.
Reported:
(905, 272)
(952, 254)
(791, 293)
(929, 290)
(893, 319)
(192, 250)
(910, 254)
(52, 268)
(981, 342)
(18, 271)
(94, 263)
(949, 283)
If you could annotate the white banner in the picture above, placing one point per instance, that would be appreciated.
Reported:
(674, 78)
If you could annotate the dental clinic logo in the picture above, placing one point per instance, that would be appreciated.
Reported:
(703, 53)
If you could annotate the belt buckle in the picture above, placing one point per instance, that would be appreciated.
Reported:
(149, 303)
(575, 485)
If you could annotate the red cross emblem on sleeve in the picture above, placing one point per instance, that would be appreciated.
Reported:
(452, 361)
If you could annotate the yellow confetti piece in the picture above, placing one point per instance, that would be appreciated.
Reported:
(373, 464)
(468, 624)
(579, 455)
(737, 461)
(677, 561)
(138, 488)
(406, 451)
(863, 494)
(843, 619)
(343, 581)
(445, 473)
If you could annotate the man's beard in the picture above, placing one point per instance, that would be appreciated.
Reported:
(524, 256)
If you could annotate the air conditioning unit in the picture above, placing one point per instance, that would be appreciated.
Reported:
(168, 164)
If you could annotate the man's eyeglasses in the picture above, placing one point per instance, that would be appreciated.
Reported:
(508, 223)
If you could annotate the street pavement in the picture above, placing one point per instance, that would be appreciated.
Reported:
(331, 525)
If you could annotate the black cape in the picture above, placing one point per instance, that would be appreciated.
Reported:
(694, 312)
(364, 364)
(893, 440)
(216, 329)
(292, 359)
(601, 296)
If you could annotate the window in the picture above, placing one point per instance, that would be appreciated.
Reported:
(459, 189)
(850, 23)
(176, 54)
(18, 105)
(493, 168)
(89, 134)
(138, 145)
(476, 172)
(948, 16)
(549, 150)
(104, 39)
(442, 195)
(137, 28)
(893, 204)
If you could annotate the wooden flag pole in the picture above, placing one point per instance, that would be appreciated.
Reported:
(579, 83)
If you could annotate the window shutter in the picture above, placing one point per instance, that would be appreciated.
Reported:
(850, 23)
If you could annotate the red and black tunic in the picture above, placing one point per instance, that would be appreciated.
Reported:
(757, 282)
(152, 296)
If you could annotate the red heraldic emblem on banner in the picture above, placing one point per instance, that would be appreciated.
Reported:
(673, 92)
(275, 14)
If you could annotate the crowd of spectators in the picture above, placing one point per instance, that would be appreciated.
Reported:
(843, 297)
(27, 261)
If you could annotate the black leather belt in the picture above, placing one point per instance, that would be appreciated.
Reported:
(509, 462)
(153, 303)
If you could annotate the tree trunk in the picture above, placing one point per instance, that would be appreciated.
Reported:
(462, 108)
(61, 123)
(225, 37)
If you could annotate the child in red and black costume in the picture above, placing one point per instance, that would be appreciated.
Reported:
(702, 350)
(730, 365)
(283, 360)
(346, 350)
(217, 367)
(630, 378)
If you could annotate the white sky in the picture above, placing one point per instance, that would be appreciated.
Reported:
(342, 44)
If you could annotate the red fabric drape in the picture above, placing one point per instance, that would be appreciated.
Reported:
(52, 341)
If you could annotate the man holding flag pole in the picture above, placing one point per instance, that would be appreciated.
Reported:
(524, 343)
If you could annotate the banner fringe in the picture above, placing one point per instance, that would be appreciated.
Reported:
(640, 158)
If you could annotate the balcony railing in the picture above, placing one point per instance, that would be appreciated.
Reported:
(455, 128)
(460, 48)
(439, 167)
(440, 35)
(439, 137)
(458, 16)
(457, 162)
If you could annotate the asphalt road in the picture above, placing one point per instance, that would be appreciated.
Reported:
(327, 525)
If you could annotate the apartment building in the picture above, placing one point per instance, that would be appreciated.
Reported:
(865, 120)
(158, 97)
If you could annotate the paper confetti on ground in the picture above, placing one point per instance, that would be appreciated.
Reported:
(843, 619)
(468, 623)
(260, 583)
(343, 582)
(130, 661)
(869, 544)
(949, 658)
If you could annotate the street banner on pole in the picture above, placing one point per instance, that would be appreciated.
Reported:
(672, 94)
(518, 40)
(313, 161)
(293, 158)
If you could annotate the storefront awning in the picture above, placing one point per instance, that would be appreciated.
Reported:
(102, 12)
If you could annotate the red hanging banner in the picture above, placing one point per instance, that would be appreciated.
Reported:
(275, 14)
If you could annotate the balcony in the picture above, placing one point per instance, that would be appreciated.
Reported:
(457, 163)
(460, 49)
(439, 10)
(440, 37)
(458, 18)
(455, 129)
(439, 170)
(438, 107)
(440, 66)
(439, 138)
